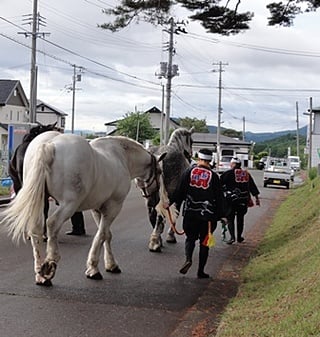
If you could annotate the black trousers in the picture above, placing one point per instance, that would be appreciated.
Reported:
(236, 213)
(197, 230)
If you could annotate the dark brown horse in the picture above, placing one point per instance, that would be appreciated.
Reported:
(16, 163)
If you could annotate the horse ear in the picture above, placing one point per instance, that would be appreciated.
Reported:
(191, 130)
(161, 157)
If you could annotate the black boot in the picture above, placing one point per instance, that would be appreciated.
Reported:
(189, 247)
(231, 231)
(77, 224)
(203, 257)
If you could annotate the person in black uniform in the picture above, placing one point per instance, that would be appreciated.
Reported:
(202, 194)
(238, 185)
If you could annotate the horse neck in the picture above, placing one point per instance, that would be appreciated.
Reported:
(138, 159)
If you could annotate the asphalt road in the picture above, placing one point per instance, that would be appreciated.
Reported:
(149, 298)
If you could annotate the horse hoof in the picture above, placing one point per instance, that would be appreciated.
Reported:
(155, 250)
(171, 239)
(46, 283)
(96, 276)
(115, 270)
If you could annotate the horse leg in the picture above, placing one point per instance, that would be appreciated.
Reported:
(171, 238)
(54, 224)
(36, 249)
(155, 242)
(103, 218)
(92, 270)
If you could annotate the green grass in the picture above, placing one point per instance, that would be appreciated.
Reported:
(280, 292)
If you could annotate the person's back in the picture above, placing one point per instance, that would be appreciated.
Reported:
(201, 192)
(238, 184)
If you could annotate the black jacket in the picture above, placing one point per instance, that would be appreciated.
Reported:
(201, 191)
(237, 179)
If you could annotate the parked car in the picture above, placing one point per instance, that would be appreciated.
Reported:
(224, 163)
(294, 162)
(277, 172)
(262, 163)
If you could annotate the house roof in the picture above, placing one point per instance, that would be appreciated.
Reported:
(7, 88)
(51, 107)
(211, 138)
(153, 110)
(4, 126)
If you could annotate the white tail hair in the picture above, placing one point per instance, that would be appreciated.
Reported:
(25, 215)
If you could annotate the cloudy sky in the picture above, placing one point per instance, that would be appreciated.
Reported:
(268, 69)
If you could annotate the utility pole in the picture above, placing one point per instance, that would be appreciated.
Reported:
(161, 118)
(36, 22)
(297, 120)
(33, 72)
(168, 71)
(220, 64)
(169, 78)
(75, 78)
(310, 134)
(243, 128)
(138, 123)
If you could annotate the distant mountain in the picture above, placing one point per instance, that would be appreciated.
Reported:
(261, 137)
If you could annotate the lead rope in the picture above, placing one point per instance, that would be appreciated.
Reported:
(172, 224)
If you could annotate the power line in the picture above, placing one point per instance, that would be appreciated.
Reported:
(257, 47)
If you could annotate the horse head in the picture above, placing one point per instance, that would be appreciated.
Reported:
(37, 130)
(150, 184)
(181, 138)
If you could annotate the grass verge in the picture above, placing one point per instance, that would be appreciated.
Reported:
(280, 291)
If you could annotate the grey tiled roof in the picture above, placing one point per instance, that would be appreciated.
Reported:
(6, 89)
(211, 138)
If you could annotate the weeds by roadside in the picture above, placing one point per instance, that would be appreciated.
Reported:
(279, 296)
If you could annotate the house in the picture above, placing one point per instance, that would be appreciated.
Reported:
(48, 114)
(13, 109)
(315, 138)
(228, 146)
(14, 117)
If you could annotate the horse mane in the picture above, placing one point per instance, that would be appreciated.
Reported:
(178, 136)
(37, 130)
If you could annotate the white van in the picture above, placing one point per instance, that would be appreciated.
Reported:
(294, 162)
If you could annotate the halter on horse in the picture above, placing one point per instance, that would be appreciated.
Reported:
(177, 160)
(100, 183)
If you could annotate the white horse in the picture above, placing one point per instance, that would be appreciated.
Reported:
(79, 176)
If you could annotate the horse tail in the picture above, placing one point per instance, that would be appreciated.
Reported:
(25, 215)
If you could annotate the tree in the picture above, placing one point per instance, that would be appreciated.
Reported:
(232, 133)
(136, 125)
(200, 125)
(214, 15)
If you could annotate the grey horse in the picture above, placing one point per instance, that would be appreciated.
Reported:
(176, 161)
